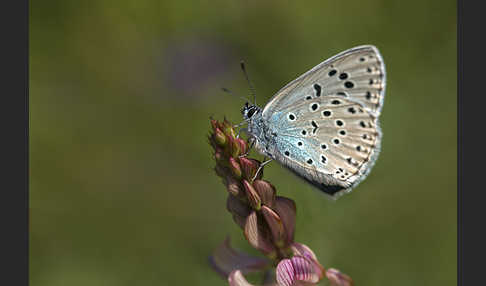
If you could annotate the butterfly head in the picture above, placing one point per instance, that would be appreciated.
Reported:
(249, 110)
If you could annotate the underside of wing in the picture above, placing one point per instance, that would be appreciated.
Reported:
(357, 74)
(329, 141)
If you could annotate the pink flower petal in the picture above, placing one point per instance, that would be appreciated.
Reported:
(302, 250)
(252, 195)
(285, 273)
(226, 259)
(254, 233)
(274, 223)
(298, 268)
(286, 210)
(266, 191)
(304, 269)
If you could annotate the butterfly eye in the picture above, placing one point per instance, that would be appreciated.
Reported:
(251, 111)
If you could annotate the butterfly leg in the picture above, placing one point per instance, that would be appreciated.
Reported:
(240, 124)
(241, 129)
(260, 168)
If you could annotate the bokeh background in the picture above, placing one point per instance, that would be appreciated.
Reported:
(122, 190)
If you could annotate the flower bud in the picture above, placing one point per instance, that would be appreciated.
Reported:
(228, 129)
(249, 167)
(214, 124)
(235, 168)
(234, 147)
(219, 137)
(252, 195)
(243, 145)
(266, 191)
(275, 225)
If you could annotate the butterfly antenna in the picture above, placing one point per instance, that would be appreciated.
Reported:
(242, 63)
(230, 93)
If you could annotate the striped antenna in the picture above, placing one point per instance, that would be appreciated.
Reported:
(252, 89)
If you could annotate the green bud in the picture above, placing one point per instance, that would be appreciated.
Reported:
(219, 137)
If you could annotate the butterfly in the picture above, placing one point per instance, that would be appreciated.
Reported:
(324, 125)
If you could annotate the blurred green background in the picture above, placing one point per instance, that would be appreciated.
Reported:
(122, 190)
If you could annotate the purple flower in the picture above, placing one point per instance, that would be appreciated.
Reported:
(302, 267)
(267, 221)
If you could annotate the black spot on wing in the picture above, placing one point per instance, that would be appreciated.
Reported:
(318, 89)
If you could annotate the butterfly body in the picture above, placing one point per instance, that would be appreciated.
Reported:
(324, 125)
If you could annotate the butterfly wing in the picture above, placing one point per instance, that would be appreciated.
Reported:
(326, 124)
(357, 74)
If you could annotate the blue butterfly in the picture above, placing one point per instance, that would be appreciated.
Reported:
(323, 126)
